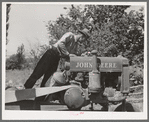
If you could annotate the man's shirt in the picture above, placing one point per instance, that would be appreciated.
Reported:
(67, 44)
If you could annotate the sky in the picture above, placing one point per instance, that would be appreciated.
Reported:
(27, 24)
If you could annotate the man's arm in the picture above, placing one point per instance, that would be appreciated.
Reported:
(61, 45)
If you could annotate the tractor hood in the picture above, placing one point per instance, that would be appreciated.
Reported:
(112, 64)
(108, 64)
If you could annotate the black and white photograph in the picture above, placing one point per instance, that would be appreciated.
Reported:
(74, 61)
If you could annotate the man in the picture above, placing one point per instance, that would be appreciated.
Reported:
(48, 63)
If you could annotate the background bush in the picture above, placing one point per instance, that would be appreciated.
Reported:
(17, 61)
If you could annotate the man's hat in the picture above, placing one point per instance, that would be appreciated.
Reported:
(85, 32)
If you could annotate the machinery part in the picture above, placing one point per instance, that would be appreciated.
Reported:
(58, 79)
(128, 107)
(94, 61)
(79, 77)
(18, 95)
(125, 77)
(73, 82)
(94, 76)
(94, 52)
(113, 96)
(118, 86)
(116, 99)
(67, 65)
(11, 88)
(109, 92)
(56, 96)
(74, 98)
(94, 82)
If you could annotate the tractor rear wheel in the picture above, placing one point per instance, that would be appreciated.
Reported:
(129, 107)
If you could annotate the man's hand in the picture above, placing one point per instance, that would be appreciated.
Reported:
(86, 54)
(72, 55)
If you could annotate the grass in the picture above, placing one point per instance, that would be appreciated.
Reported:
(139, 105)
(18, 77)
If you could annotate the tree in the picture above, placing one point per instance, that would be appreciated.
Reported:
(8, 7)
(16, 61)
(135, 37)
(11, 62)
(36, 52)
(98, 18)
(20, 56)
(112, 30)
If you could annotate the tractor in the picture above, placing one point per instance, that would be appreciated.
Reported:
(85, 80)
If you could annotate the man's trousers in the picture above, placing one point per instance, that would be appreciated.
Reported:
(46, 66)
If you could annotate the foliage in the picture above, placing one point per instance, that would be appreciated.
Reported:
(17, 61)
(110, 26)
(113, 30)
(136, 75)
(11, 62)
(17, 77)
(36, 54)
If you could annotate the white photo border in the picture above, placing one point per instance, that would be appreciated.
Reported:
(72, 115)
